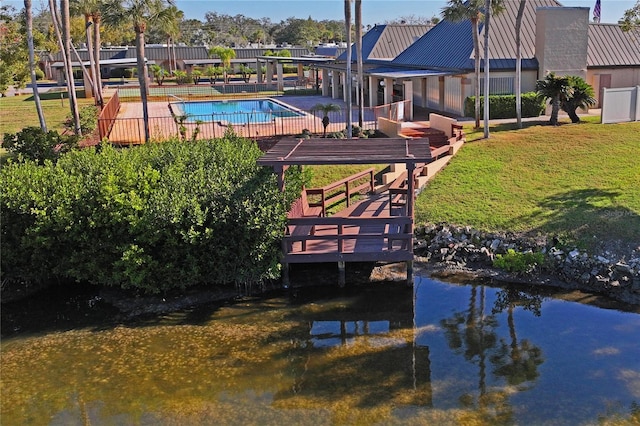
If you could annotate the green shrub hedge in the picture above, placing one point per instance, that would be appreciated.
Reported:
(504, 106)
(155, 217)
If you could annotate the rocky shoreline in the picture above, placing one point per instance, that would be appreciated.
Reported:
(446, 251)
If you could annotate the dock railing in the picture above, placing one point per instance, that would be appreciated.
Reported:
(350, 239)
(341, 190)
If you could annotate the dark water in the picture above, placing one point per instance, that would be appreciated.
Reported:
(446, 354)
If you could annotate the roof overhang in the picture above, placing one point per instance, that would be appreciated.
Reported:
(347, 151)
(124, 61)
(407, 73)
(296, 59)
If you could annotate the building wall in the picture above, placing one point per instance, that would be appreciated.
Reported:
(616, 77)
(458, 88)
(562, 37)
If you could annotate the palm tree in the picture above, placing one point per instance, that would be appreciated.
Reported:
(171, 28)
(140, 13)
(582, 96)
(326, 109)
(86, 8)
(347, 83)
(360, 91)
(97, 20)
(519, 62)
(66, 47)
(32, 66)
(461, 10)
(226, 54)
(491, 7)
(557, 89)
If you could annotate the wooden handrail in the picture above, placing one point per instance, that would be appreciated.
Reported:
(327, 193)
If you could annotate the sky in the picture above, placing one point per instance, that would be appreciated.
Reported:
(373, 11)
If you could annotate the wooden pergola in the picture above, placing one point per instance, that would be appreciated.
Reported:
(351, 237)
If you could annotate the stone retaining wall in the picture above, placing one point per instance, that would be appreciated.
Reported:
(464, 247)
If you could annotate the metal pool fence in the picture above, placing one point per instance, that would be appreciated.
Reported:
(120, 130)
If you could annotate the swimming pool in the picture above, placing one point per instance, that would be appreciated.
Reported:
(234, 112)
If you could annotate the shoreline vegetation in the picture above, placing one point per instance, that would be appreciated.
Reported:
(573, 185)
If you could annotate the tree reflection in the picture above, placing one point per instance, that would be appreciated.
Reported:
(516, 361)
(472, 333)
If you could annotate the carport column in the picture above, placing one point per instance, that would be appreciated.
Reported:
(300, 72)
(344, 86)
(88, 87)
(325, 82)
(373, 91)
(335, 81)
(423, 93)
(258, 71)
(269, 72)
(280, 77)
(388, 90)
(408, 96)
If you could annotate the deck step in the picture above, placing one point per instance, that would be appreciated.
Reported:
(389, 177)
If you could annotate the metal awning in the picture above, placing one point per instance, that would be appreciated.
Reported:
(396, 73)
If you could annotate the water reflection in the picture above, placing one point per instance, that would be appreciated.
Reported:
(444, 354)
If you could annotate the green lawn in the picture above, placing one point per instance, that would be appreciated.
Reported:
(18, 112)
(578, 181)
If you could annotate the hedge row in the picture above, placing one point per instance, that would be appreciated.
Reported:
(155, 217)
(504, 106)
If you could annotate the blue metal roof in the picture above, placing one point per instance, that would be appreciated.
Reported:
(369, 40)
(448, 45)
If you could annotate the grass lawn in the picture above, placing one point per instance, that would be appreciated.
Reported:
(580, 182)
(18, 112)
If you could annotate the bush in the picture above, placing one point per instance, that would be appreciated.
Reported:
(504, 106)
(88, 119)
(155, 217)
(514, 261)
(33, 144)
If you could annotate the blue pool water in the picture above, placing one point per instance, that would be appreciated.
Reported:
(234, 112)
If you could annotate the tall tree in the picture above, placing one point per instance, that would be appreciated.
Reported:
(631, 18)
(226, 54)
(140, 14)
(519, 62)
(487, 21)
(347, 78)
(97, 23)
(461, 10)
(66, 48)
(87, 8)
(360, 89)
(32, 64)
(171, 29)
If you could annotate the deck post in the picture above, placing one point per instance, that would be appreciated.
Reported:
(285, 275)
(409, 273)
(341, 274)
(411, 166)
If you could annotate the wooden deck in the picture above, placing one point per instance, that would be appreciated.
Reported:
(367, 231)
(372, 230)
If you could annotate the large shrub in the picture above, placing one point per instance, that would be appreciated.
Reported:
(154, 217)
(504, 106)
(34, 144)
